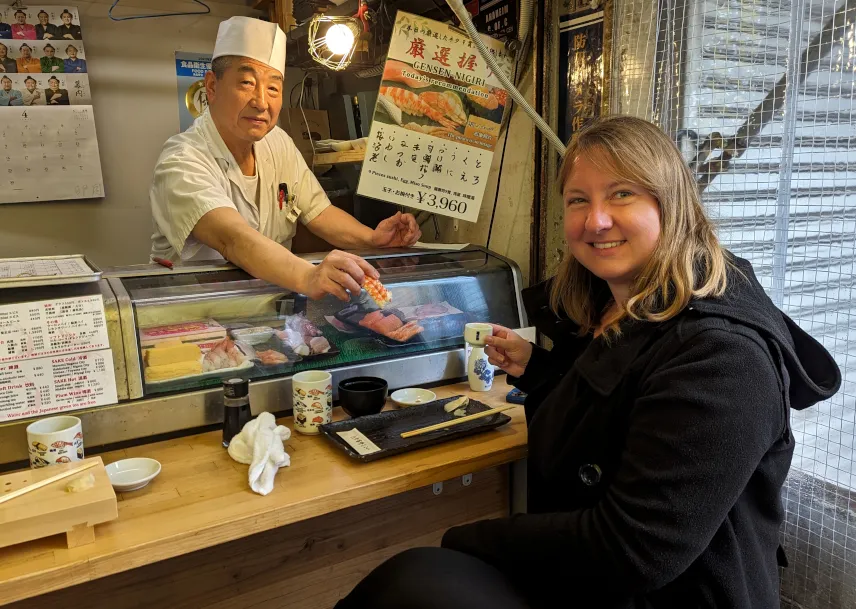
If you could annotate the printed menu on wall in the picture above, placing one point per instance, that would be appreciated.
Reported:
(54, 356)
(436, 122)
(47, 127)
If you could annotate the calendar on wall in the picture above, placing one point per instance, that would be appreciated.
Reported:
(47, 126)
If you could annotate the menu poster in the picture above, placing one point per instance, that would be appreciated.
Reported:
(54, 356)
(436, 122)
(55, 327)
(190, 69)
(47, 128)
(56, 384)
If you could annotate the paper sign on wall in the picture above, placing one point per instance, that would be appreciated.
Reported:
(436, 122)
(54, 356)
(190, 69)
(49, 150)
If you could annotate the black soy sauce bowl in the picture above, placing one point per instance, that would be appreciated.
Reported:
(362, 395)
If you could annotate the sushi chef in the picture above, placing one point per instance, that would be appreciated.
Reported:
(234, 185)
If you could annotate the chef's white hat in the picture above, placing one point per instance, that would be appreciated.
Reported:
(253, 38)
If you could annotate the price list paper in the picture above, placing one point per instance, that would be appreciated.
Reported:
(436, 122)
(55, 384)
(54, 356)
(43, 267)
(57, 327)
(49, 150)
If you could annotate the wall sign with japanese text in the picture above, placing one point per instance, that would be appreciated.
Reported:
(581, 72)
(49, 149)
(436, 122)
(190, 69)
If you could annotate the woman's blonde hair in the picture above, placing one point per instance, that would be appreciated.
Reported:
(687, 260)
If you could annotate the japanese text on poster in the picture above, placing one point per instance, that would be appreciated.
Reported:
(581, 82)
(50, 151)
(436, 122)
(190, 69)
(54, 327)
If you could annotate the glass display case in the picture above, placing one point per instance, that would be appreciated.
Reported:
(193, 329)
(176, 334)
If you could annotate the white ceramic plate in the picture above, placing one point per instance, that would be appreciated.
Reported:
(412, 396)
(132, 474)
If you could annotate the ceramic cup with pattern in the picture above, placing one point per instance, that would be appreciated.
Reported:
(55, 440)
(312, 400)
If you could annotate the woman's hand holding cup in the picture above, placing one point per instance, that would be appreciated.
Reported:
(506, 349)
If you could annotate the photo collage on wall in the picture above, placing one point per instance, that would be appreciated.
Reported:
(42, 57)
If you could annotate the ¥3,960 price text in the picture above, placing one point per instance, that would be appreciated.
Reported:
(432, 200)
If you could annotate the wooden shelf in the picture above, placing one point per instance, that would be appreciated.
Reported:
(347, 156)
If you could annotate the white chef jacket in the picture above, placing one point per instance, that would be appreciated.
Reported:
(196, 173)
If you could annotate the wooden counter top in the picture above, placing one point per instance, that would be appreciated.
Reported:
(202, 498)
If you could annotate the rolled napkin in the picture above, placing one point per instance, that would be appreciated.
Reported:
(260, 445)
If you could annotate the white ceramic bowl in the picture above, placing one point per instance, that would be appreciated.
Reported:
(132, 474)
(412, 397)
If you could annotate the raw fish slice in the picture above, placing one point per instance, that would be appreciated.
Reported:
(388, 324)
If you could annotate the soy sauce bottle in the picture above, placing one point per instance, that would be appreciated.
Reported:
(236, 408)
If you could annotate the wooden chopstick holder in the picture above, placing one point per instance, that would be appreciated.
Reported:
(46, 481)
(453, 422)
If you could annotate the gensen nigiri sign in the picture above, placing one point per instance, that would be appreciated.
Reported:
(436, 122)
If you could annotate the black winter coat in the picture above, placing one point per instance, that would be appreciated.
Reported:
(656, 462)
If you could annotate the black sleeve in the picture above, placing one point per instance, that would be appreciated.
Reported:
(697, 431)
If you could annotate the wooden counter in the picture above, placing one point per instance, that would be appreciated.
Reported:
(201, 500)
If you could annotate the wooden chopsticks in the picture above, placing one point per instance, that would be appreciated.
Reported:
(453, 422)
(46, 481)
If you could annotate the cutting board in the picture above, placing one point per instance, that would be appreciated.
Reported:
(51, 510)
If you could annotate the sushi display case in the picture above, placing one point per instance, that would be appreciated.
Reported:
(185, 330)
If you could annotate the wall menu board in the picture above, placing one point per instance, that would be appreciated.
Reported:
(436, 122)
(54, 356)
(47, 127)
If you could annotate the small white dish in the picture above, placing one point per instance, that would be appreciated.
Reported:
(132, 474)
(253, 336)
(412, 396)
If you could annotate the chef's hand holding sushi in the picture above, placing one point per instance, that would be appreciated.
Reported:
(658, 424)
(234, 185)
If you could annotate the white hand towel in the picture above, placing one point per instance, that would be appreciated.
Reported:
(260, 445)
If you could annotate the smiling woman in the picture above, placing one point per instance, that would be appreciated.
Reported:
(658, 425)
(634, 219)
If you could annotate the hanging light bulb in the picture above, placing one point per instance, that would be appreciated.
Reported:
(339, 39)
(333, 39)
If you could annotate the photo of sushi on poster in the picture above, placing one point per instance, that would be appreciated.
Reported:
(42, 57)
(437, 120)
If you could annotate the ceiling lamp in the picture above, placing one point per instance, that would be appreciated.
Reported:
(333, 39)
